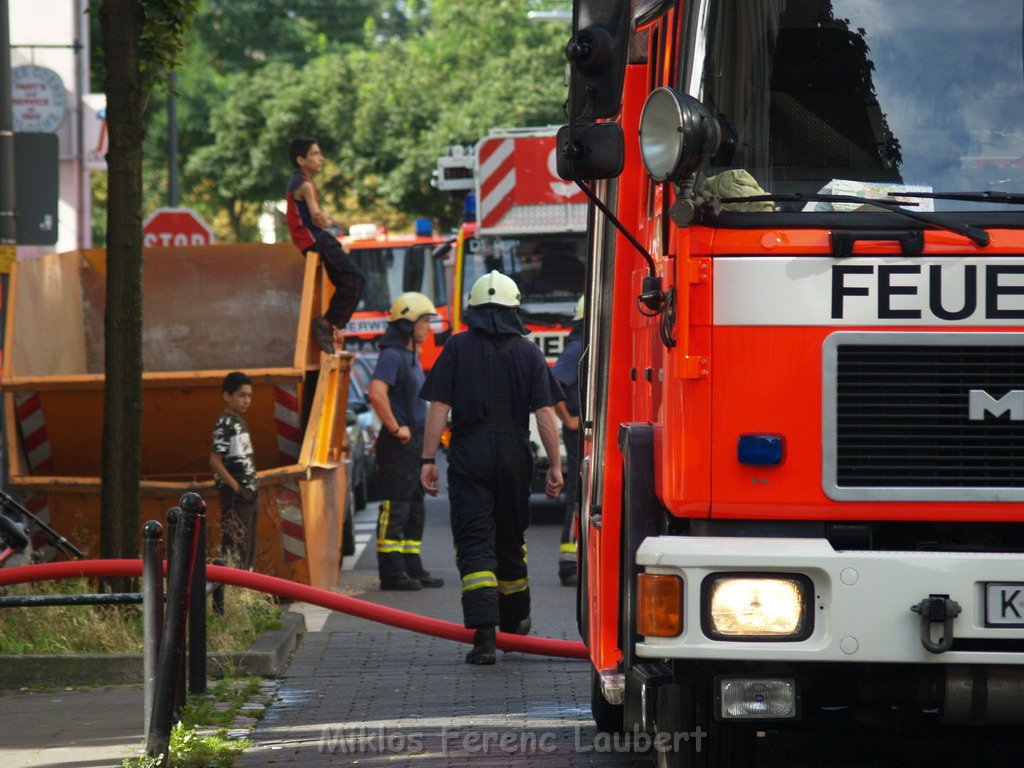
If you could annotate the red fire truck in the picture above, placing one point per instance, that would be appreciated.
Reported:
(393, 264)
(804, 369)
(527, 223)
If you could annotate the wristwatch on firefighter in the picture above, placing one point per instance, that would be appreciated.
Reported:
(424, 461)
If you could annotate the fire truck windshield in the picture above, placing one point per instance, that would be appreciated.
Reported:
(550, 270)
(393, 270)
(866, 97)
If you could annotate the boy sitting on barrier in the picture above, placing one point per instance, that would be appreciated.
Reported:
(233, 469)
(309, 225)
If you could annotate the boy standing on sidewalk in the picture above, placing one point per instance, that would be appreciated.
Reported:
(308, 224)
(233, 469)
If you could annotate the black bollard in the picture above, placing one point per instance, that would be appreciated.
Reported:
(173, 517)
(172, 525)
(152, 610)
(170, 664)
(197, 605)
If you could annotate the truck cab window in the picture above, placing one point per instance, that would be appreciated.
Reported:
(389, 272)
(904, 93)
(549, 269)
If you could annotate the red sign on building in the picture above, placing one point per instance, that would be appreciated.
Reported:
(175, 226)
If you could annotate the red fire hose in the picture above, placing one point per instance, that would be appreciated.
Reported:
(291, 590)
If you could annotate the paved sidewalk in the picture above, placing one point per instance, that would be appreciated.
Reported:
(368, 688)
(358, 691)
(91, 728)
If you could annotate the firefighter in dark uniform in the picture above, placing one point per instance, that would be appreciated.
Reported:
(490, 378)
(566, 370)
(394, 389)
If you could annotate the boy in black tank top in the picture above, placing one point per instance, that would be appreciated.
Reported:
(309, 226)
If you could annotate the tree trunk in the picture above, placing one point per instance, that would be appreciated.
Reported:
(121, 22)
(235, 218)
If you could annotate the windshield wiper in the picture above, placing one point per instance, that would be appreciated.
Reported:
(977, 235)
(1011, 198)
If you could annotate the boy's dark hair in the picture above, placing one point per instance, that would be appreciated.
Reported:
(234, 381)
(299, 147)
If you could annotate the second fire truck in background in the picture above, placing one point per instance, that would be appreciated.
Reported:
(523, 221)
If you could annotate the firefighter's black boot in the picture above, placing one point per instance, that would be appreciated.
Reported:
(428, 581)
(522, 628)
(483, 647)
(402, 583)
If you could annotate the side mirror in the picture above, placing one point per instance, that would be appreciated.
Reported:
(597, 151)
(597, 53)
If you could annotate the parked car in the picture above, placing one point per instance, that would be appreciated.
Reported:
(362, 436)
(348, 534)
(362, 370)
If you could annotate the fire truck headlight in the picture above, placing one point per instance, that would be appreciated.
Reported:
(757, 607)
(659, 605)
(676, 133)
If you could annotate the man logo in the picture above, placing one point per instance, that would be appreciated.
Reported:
(980, 403)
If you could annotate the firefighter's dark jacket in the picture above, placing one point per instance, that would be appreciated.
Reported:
(459, 379)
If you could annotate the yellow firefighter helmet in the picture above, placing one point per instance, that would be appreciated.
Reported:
(411, 306)
(494, 288)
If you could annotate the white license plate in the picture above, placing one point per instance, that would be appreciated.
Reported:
(1004, 604)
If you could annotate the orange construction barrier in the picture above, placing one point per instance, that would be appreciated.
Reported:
(208, 311)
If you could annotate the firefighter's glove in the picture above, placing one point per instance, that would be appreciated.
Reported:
(734, 183)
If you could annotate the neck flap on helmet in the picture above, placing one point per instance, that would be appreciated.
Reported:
(495, 319)
(397, 335)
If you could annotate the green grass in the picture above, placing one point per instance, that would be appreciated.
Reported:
(190, 750)
(201, 711)
(118, 629)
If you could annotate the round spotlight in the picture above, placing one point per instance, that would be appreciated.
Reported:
(677, 133)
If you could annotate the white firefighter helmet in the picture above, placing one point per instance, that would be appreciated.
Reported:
(494, 288)
(411, 306)
(578, 314)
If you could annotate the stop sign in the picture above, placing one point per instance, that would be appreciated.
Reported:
(175, 226)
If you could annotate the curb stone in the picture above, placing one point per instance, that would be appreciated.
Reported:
(265, 658)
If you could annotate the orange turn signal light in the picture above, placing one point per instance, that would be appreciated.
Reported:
(659, 605)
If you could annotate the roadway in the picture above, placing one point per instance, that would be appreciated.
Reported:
(359, 693)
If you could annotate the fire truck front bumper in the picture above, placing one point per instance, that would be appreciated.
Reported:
(794, 600)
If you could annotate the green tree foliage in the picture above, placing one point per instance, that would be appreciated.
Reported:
(384, 85)
(479, 64)
(247, 34)
(246, 161)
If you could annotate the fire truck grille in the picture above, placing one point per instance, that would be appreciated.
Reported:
(902, 415)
